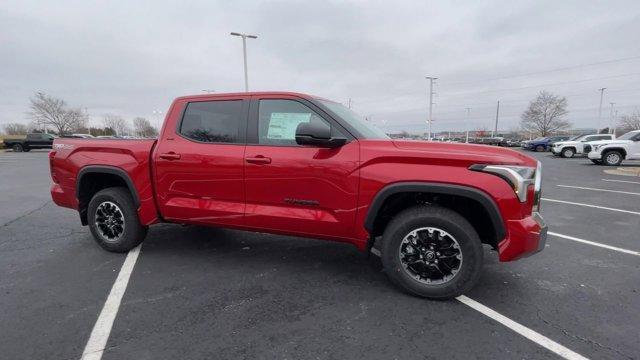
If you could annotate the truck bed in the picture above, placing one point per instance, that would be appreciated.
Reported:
(71, 157)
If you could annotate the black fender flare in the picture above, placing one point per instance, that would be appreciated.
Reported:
(106, 169)
(481, 197)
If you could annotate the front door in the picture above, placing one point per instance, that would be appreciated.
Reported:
(297, 189)
(199, 162)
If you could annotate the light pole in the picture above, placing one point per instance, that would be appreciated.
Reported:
(156, 114)
(600, 108)
(611, 117)
(244, 53)
(468, 113)
(430, 78)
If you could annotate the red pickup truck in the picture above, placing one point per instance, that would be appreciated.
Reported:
(295, 164)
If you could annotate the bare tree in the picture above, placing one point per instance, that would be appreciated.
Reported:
(47, 110)
(630, 122)
(545, 114)
(143, 128)
(117, 123)
(15, 129)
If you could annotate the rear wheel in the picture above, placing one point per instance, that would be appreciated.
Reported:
(567, 153)
(113, 220)
(432, 252)
(17, 148)
(612, 158)
(540, 148)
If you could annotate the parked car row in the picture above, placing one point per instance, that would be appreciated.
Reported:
(575, 145)
(603, 149)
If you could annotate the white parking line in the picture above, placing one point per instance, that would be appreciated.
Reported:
(595, 189)
(622, 181)
(614, 248)
(521, 329)
(101, 330)
(592, 206)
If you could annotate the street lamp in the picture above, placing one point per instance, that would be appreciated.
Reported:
(244, 53)
(157, 114)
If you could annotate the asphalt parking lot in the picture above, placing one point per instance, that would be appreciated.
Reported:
(198, 293)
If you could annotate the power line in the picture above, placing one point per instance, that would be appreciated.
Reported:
(547, 71)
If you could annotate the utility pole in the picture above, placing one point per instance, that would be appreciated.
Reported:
(430, 105)
(468, 123)
(600, 108)
(611, 117)
(349, 103)
(495, 128)
(244, 53)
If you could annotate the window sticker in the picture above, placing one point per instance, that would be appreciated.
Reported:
(283, 125)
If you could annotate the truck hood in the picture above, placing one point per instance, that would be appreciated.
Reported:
(471, 153)
(565, 143)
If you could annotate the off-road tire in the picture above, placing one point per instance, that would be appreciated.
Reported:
(432, 217)
(133, 232)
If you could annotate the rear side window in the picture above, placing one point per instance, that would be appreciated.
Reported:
(601, 137)
(213, 121)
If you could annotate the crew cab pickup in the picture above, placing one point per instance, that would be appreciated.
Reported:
(613, 152)
(575, 146)
(294, 164)
(32, 141)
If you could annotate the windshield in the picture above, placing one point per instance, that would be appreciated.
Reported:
(628, 135)
(540, 138)
(368, 130)
(577, 137)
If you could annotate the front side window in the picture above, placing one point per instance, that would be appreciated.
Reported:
(213, 121)
(278, 120)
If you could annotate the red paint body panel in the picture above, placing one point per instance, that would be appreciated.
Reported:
(264, 188)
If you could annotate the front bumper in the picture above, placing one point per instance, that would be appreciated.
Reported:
(525, 237)
(594, 155)
(555, 150)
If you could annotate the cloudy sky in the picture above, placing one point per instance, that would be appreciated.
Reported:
(132, 58)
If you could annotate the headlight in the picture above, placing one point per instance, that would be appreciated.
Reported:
(519, 177)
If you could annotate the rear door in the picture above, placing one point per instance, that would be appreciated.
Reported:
(199, 161)
(34, 141)
(303, 190)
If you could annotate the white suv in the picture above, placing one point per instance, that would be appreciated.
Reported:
(612, 152)
(567, 149)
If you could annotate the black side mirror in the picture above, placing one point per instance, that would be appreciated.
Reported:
(317, 133)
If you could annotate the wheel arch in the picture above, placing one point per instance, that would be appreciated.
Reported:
(618, 149)
(375, 220)
(94, 178)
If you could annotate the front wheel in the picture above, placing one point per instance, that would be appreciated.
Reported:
(612, 158)
(567, 153)
(540, 148)
(113, 220)
(17, 148)
(432, 252)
